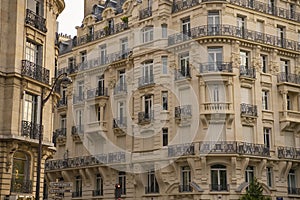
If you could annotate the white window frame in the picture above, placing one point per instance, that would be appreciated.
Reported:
(147, 34)
(267, 137)
(265, 100)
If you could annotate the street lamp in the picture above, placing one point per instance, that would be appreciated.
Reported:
(63, 80)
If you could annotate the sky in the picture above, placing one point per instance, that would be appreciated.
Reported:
(71, 17)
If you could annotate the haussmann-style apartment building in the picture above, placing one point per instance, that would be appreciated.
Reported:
(29, 52)
(184, 99)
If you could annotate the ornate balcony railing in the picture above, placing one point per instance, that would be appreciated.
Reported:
(77, 194)
(288, 153)
(120, 122)
(78, 98)
(219, 187)
(119, 55)
(31, 129)
(146, 117)
(77, 130)
(98, 192)
(183, 111)
(216, 106)
(183, 5)
(101, 34)
(62, 132)
(233, 31)
(63, 102)
(247, 72)
(249, 110)
(185, 188)
(293, 190)
(35, 20)
(183, 73)
(145, 13)
(35, 71)
(19, 185)
(216, 67)
(245, 148)
(181, 150)
(117, 157)
(151, 190)
(218, 147)
(120, 88)
(146, 80)
(97, 92)
(288, 77)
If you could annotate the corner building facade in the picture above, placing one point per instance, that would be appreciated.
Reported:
(29, 51)
(180, 100)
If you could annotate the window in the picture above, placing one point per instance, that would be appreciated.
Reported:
(124, 47)
(148, 99)
(186, 26)
(265, 100)
(215, 58)
(271, 6)
(267, 137)
(264, 63)
(288, 102)
(103, 54)
(241, 26)
(110, 26)
(20, 173)
(101, 86)
(91, 31)
(30, 110)
(292, 11)
(147, 34)
(184, 64)
(244, 58)
(83, 56)
(260, 26)
(291, 181)
(218, 178)
(34, 53)
(213, 22)
(121, 112)
(96, 10)
(71, 63)
(63, 94)
(216, 96)
(98, 113)
(63, 122)
(164, 31)
(152, 185)
(249, 174)
(280, 36)
(80, 90)
(122, 181)
(79, 120)
(78, 187)
(185, 179)
(122, 80)
(37, 6)
(164, 96)
(98, 186)
(165, 136)
(269, 176)
(164, 63)
(147, 72)
(285, 67)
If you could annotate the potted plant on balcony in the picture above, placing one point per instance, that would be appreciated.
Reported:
(125, 19)
(106, 30)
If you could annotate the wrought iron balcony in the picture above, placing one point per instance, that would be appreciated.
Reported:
(120, 122)
(119, 27)
(233, 31)
(35, 71)
(183, 73)
(63, 102)
(145, 13)
(98, 192)
(247, 72)
(146, 80)
(183, 5)
(216, 67)
(293, 190)
(216, 147)
(219, 187)
(217, 106)
(19, 185)
(288, 77)
(120, 88)
(288, 153)
(78, 98)
(97, 92)
(62, 132)
(248, 110)
(151, 190)
(181, 150)
(77, 194)
(117, 157)
(185, 188)
(183, 111)
(245, 148)
(77, 130)
(119, 55)
(146, 117)
(35, 20)
(31, 129)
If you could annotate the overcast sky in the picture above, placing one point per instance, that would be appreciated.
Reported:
(71, 16)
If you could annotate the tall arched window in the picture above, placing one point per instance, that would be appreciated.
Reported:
(98, 186)
(20, 174)
(218, 178)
